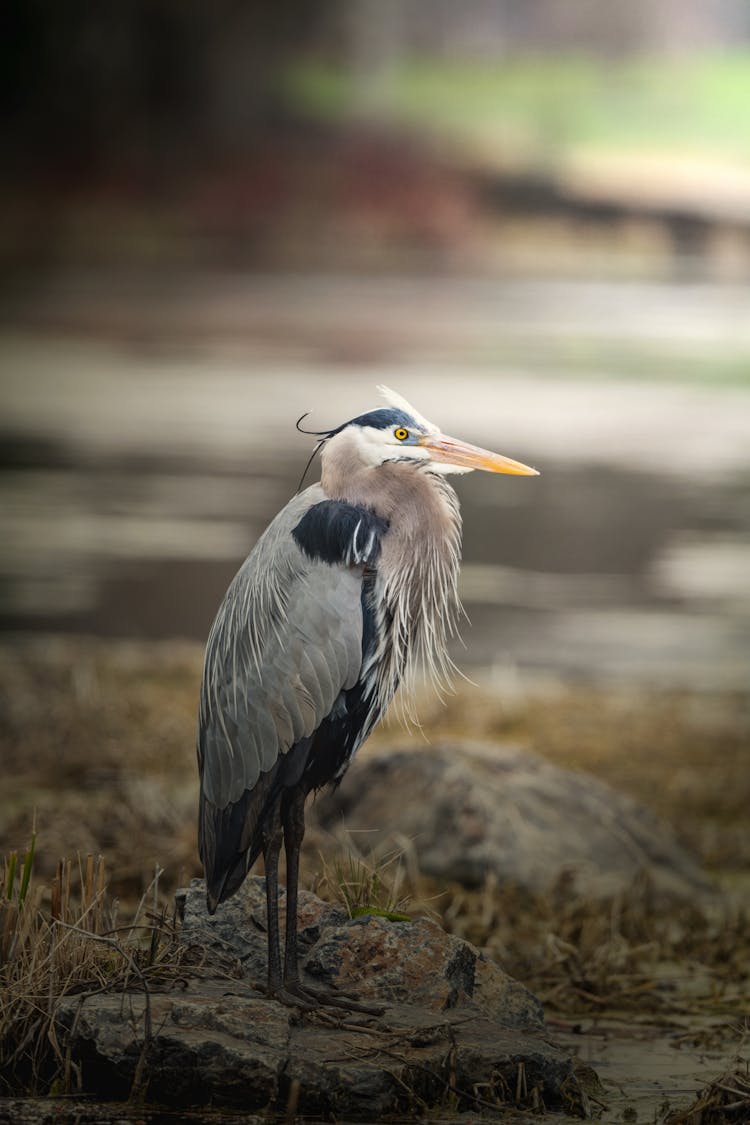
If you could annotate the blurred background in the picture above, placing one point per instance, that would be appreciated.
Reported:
(531, 219)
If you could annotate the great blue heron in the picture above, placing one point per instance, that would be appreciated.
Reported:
(350, 588)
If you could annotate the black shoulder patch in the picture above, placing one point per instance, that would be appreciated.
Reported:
(336, 532)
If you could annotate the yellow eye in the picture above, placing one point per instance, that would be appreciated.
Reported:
(401, 433)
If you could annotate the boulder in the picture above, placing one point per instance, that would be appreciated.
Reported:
(472, 811)
(455, 1029)
(414, 963)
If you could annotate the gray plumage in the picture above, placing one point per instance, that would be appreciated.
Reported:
(286, 641)
(350, 590)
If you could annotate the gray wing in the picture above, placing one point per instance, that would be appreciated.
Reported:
(286, 642)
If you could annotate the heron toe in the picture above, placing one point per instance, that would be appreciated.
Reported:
(309, 998)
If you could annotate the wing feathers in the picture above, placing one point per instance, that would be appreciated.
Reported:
(286, 644)
(286, 641)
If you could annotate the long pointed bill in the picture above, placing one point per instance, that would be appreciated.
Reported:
(455, 452)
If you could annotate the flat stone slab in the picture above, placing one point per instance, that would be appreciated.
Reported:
(456, 1030)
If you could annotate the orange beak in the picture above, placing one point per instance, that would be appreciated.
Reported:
(455, 452)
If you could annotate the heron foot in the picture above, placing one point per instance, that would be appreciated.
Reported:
(296, 995)
(338, 999)
(291, 999)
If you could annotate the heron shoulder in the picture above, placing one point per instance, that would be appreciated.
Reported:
(334, 531)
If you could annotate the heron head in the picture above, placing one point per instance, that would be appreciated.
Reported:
(400, 434)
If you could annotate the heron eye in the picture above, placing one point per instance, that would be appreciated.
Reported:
(401, 433)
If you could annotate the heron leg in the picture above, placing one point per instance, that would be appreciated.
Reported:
(272, 836)
(293, 818)
(271, 849)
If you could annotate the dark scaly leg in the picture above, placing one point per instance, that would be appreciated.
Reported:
(293, 818)
(272, 836)
(271, 849)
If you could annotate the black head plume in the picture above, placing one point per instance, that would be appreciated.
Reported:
(321, 434)
(313, 433)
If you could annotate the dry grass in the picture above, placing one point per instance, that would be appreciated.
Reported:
(363, 885)
(73, 947)
(585, 958)
(98, 741)
(722, 1102)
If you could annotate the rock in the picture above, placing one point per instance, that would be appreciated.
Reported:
(238, 928)
(390, 962)
(205, 1046)
(454, 1023)
(473, 811)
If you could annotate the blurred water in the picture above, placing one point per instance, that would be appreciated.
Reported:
(142, 460)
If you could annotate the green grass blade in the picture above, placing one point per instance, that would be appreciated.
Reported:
(28, 863)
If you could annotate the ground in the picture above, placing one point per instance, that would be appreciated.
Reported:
(97, 747)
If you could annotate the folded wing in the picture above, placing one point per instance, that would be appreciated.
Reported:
(285, 645)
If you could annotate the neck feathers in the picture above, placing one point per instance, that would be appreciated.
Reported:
(416, 589)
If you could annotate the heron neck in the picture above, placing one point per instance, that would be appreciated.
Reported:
(410, 499)
(417, 570)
